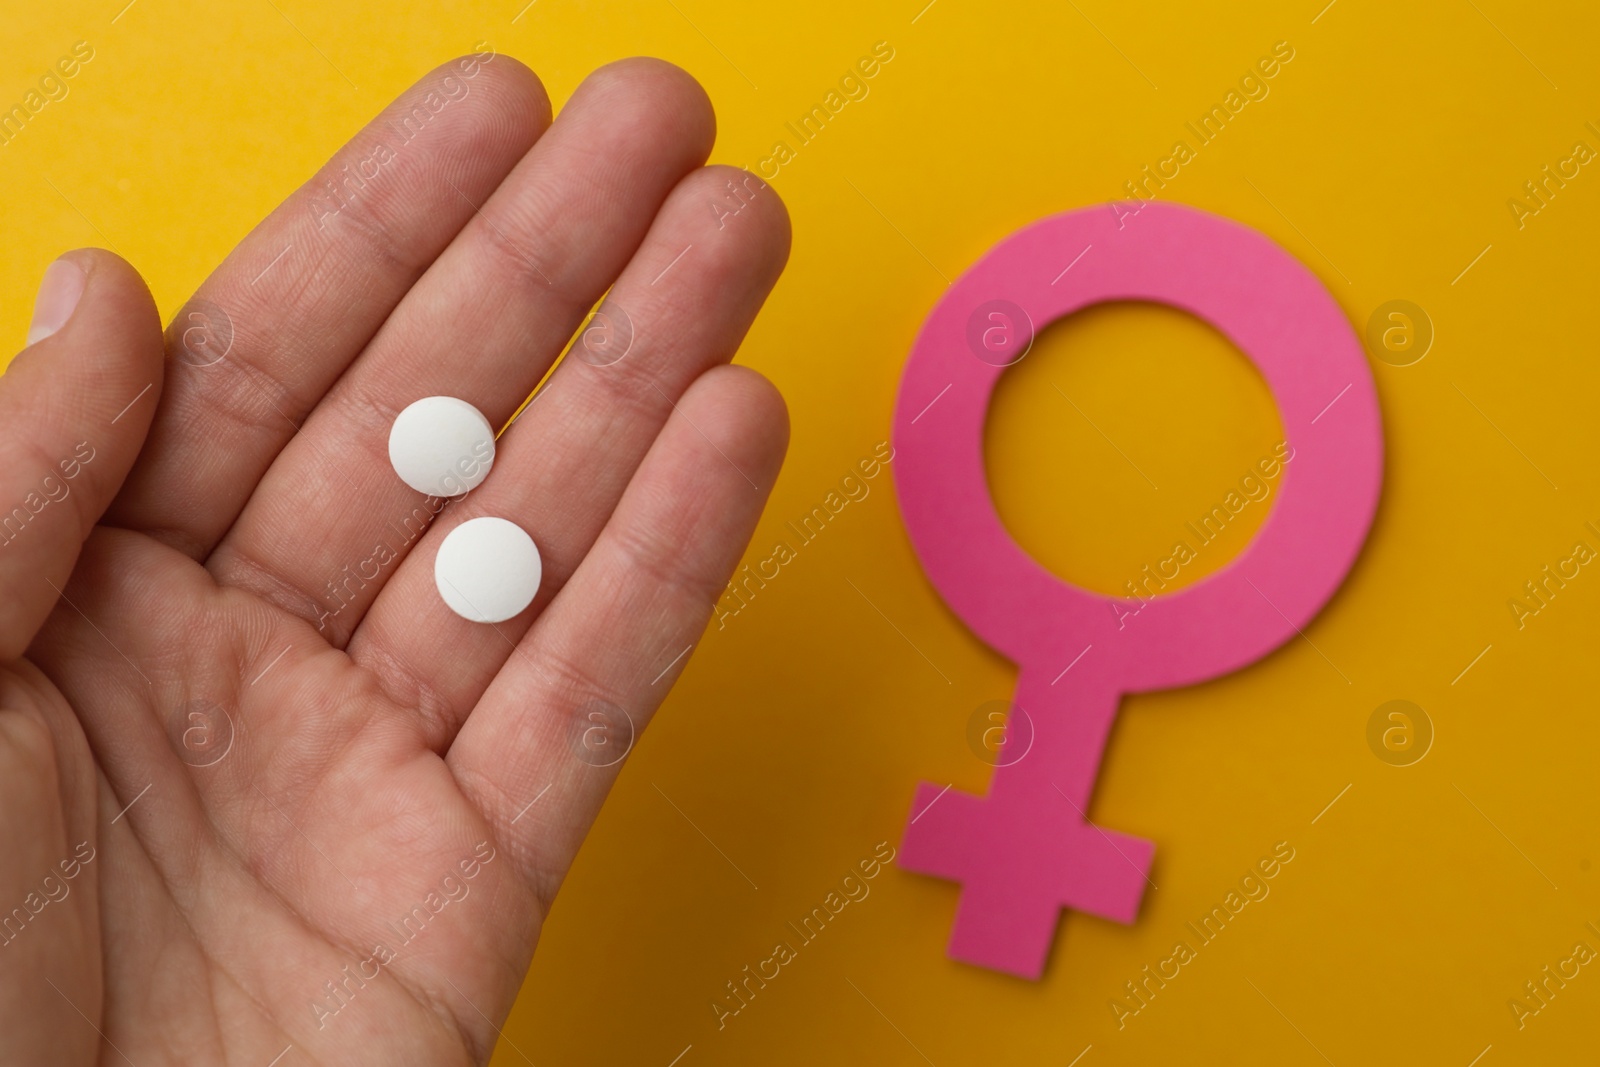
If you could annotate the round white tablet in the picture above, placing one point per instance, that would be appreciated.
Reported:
(487, 569)
(441, 446)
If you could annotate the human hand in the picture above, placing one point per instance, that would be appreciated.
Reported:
(307, 811)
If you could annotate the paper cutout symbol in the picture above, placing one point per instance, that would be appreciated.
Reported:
(1026, 850)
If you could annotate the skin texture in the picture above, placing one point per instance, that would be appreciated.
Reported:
(324, 816)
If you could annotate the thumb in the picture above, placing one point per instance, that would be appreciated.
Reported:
(74, 409)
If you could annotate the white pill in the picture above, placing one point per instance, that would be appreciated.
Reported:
(487, 569)
(441, 446)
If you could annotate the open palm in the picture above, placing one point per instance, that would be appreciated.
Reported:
(262, 794)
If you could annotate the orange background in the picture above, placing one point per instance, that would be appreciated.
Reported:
(1384, 157)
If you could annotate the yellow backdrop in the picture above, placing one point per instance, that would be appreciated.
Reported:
(1386, 154)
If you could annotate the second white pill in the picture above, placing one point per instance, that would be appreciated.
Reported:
(442, 446)
(487, 569)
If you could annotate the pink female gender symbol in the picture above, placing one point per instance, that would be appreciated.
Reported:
(1026, 850)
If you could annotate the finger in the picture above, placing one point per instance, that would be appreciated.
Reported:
(37, 810)
(484, 325)
(74, 409)
(614, 641)
(278, 322)
(569, 457)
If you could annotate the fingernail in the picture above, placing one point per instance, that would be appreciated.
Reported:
(59, 294)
